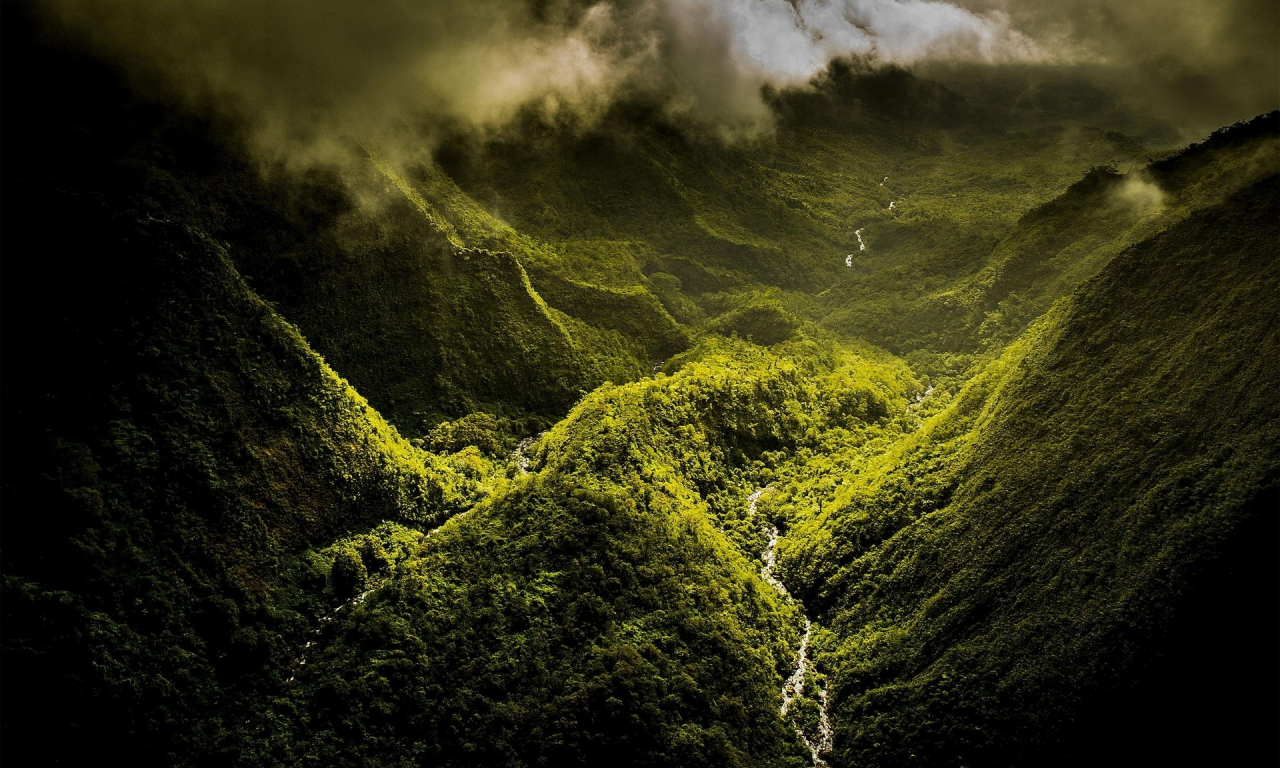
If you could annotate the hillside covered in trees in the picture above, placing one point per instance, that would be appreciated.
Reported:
(927, 427)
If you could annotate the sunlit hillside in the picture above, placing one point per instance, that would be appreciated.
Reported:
(565, 390)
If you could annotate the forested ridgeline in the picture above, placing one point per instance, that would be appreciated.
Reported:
(171, 447)
(634, 482)
(1046, 547)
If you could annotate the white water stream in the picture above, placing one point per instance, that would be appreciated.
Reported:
(794, 684)
(522, 462)
(862, 246)
(302, 660)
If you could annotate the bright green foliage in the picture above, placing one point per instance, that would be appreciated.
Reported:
(595, 603)
(765, 323)
(1010, 557)
(217, 552)
(481, 430)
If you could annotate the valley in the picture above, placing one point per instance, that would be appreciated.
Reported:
(920, 430)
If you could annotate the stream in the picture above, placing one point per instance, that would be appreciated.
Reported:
(522, 461)
(793, 687)
(301, 661)
(848, 260)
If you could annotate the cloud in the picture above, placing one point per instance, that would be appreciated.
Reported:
(720, 52)
(1199, 65)
(1140, 194)
(305, 71)
(312, 73)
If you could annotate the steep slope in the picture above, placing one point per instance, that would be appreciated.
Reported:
(428, 303)
(606, 606)
(1054, 247)
(1031, 563)
(427, 307)
(171, 446)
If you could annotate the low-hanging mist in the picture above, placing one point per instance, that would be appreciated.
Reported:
(311, 75)
(434, 386)
(303, 72)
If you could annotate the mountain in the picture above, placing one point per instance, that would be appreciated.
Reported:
(1052, 248)
(172, 448)
(1019, 563)
(928, 429)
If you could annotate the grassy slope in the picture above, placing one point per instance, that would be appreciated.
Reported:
(386, 288)
(1117, 451)
(1056, 246)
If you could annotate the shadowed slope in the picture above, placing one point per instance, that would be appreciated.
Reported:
(1124, 449)
(171, 446)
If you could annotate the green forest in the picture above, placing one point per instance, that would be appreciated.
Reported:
(934, 423)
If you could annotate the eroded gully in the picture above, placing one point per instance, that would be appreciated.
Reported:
(793, 687)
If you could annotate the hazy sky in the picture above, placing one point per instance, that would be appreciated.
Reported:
(306, 71)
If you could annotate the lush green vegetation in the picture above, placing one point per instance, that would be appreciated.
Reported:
(161, 479)
(1000, 451)
(985, 304)
(607, 600)
(990, 575)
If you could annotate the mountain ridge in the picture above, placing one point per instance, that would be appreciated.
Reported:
(646, 367)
